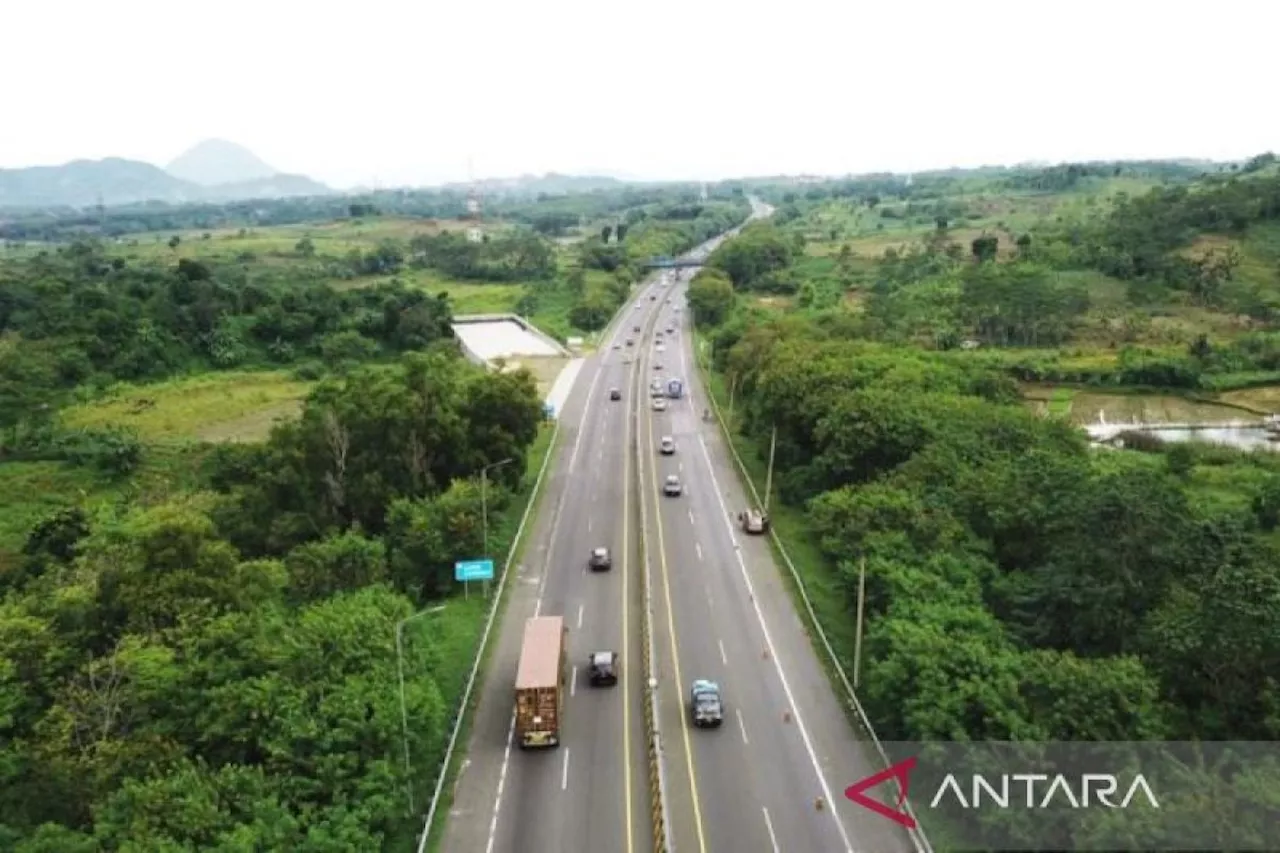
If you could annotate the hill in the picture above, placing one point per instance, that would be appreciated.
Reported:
(216, 161)
(116, 181)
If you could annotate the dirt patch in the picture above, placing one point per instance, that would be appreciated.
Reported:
(544, 368)
(254, 426)
(1265, 399)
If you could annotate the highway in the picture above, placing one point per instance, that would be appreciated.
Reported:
(722, 613)
(591, 793)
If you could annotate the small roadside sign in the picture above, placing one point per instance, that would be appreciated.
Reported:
(549, 411)
(473, 570)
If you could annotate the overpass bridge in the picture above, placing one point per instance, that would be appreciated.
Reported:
(664, 262)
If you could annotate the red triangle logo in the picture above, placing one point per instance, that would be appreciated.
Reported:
(900, 771)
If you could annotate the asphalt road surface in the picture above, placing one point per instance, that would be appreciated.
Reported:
(591, 793)
(722, 613)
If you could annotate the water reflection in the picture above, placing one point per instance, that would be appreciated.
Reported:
(1240, 437)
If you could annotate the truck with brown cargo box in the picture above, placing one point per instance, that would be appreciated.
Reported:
(540, 680)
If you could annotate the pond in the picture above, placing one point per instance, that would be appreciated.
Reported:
(1105, 414)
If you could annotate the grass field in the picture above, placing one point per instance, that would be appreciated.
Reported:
(231, 406)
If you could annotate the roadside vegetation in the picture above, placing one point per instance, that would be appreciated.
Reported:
(232, 459)
(1021, 584)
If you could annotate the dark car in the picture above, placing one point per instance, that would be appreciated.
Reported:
(600, 561)
(615, 394)
(602, 669)
(705, 704)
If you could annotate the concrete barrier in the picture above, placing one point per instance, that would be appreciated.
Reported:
(653, 737)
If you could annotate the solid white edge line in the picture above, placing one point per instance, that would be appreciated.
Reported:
(773, 839)
(502, 783)
(573, 682)
(564, 772)
(768, 639)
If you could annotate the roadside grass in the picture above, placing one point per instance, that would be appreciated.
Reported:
(470, 617)
(221, 406)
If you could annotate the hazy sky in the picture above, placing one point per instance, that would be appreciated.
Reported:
(408, 92)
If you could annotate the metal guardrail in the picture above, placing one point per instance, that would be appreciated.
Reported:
(918, 838)
(463, 704)
(657, 772)
(484, 641)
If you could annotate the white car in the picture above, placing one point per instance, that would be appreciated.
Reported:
(668, 446)
(659, 405)
(662, 347)
(671, 488)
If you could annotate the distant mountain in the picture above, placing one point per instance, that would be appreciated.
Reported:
(216, 161)
(274, 186)
(85, 183)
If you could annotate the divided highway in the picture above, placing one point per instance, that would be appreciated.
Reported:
(722, 613)
(590, 794)
(772, 777)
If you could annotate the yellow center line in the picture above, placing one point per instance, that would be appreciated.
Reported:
(626, 630)
(675, 654)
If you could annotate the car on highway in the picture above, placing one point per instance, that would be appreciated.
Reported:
(635, 328)
(617, 345)
(600, 560)
(630, 342)
(657, 365)
(667, 447)
(602, 669)
(671, 330)
(656, 388)
(662, 348)
(660, 404)
(705, 704)
(653, 297)
(754, 521)
(672, 488)
(615, 394)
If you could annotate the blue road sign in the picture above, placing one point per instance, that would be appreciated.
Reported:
(473, 570)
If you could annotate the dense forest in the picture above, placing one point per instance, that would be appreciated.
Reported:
(212, 665)
(1021, 584)
(549, 214)
(219, 670)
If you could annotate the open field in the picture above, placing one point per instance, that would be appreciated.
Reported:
(232, 406)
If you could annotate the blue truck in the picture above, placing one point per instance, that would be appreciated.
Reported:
(675, 388)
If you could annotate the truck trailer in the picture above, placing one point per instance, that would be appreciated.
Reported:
(540, 682)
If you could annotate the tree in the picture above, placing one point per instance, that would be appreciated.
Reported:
(605, 233)
(984, 248)
(710, 297)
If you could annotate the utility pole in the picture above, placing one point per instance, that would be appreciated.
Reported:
(484, 511)
(768, 480)
(857, 637)
(404, 710)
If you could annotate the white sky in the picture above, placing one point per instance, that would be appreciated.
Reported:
(407, 92)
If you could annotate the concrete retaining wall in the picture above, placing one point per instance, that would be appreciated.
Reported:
(463, 319)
